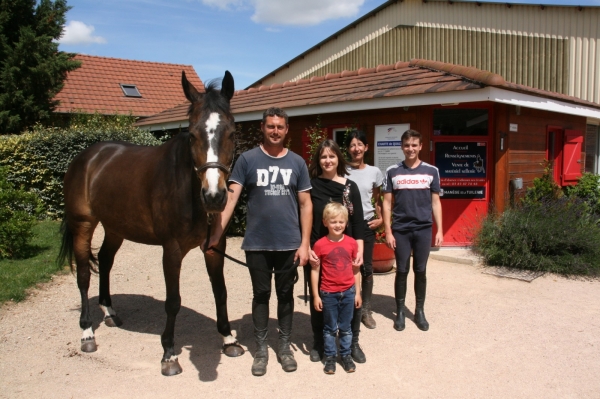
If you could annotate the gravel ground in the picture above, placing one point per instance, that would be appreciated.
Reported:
(490, 337)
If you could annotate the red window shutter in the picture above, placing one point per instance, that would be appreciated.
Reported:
(571, 162)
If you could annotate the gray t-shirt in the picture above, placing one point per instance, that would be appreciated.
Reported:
(412, 190)
(272, 184)
(366, 179)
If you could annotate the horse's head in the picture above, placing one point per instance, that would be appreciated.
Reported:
(212, 131)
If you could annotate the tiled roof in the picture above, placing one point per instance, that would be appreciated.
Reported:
(95, 86)
(400, 79)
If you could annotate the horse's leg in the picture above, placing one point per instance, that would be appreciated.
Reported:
(82, 241)
(172, 257)
(106, 258)
(214, 266)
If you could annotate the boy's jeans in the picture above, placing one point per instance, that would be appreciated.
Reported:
(338, 308)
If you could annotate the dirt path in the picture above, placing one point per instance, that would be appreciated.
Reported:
(489, 337)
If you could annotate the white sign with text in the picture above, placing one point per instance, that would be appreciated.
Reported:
(388, 145)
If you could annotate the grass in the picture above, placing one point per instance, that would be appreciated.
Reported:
(17, 275)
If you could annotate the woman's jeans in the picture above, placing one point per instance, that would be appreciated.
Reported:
(338, 308)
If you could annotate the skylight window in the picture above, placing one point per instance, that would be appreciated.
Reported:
(130, 90)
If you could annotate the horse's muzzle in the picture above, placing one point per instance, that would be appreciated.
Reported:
(214, 202)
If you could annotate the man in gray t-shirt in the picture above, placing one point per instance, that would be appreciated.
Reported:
(277, 238)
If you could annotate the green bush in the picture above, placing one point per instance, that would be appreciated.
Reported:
(543, 187)
(17, 218)
(557, 235)
(245, 140)
(588, 190)
(38, 160)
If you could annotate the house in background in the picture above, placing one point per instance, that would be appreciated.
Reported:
(488, 137)
(116, 86)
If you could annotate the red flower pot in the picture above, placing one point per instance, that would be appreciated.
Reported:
(383, 258)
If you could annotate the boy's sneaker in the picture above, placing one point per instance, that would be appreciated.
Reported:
(348, 364)
(329, 365)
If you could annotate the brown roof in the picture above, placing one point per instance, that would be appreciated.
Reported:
(400, 79)
(95, 86)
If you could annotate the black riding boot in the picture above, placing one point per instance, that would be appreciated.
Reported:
(260, 319)
(420, 288)
(400, 294)
(355, 350)
(285, 356)
(367, 292)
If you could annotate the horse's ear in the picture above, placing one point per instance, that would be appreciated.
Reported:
(190, 91)
(227, 87)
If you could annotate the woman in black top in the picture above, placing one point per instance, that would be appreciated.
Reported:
(327, 171)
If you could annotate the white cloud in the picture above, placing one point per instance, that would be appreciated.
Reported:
(305, 12)
(292, 12)
(76, 32)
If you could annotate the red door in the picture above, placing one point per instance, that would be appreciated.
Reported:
(463, 163)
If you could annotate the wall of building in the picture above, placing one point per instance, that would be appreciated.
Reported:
(552, 48)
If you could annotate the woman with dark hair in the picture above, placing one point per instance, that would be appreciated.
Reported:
(327, 171)
(369, 180)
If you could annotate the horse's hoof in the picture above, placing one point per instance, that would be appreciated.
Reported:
(233, 350)
(113, 321)
(170, 368)
(88, 345)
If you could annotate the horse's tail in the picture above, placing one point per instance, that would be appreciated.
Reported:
(66, 253)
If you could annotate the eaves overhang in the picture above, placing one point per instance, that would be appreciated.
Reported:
(493, 94)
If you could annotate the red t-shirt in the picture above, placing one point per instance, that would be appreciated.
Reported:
(336, 263)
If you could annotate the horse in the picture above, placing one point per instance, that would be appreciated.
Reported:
(163, 195)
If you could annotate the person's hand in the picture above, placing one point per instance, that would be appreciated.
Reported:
(302, 254)
(313, 259)
(358, 261)
(439, 239)
(358, 300)
(375, 223)
(318, 303)
(390, 240)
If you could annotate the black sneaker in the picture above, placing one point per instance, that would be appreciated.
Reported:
(329, 365)
(348, 364)
(357, 353)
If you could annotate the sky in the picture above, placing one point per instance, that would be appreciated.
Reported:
(250, 38)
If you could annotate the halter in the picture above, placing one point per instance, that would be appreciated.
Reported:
(209, 165)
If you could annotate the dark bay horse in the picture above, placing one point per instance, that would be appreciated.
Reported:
(158, 196)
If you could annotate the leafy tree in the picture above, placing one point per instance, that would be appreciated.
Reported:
(32, 70)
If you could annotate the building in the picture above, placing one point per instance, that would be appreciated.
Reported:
(488, 137)
(553, 48)
(117, 86)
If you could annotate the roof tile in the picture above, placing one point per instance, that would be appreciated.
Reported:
(95, 86)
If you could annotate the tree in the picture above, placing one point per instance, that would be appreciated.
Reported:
(32, 70)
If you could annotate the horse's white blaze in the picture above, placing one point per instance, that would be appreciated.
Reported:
(212, 174)
(108, 311)
(87, 333)
(172, 358)
(230, 339)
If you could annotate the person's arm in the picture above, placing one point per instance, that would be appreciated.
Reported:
(387, 220)
(376, 223)
(436, 206)
(358, 286)
(314, 281)
(222, 219)
(305, 226)
(357, 220)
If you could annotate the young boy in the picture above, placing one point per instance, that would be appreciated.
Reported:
(339, 288)
(413, 187)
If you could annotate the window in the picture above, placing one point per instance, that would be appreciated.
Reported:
(460, 122)
(130, 90)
